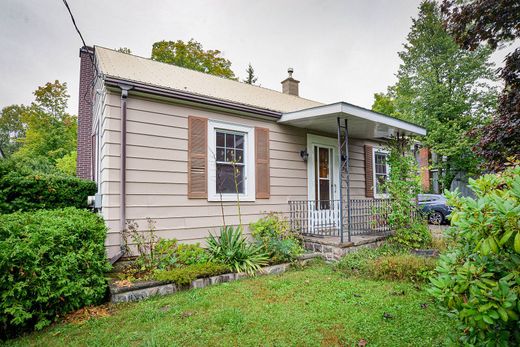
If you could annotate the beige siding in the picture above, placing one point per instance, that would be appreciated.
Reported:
(157, 150)
(157, 154)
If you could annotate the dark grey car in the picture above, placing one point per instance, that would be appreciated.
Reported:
(435, 207)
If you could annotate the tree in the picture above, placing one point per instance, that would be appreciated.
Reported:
(445, 89)
(191, 55)
(50, 131)
(251, 78)
(479, 23)
(124, 50)
(384, 103)
(11, 129)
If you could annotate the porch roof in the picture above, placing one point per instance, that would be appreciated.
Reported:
(362, 123)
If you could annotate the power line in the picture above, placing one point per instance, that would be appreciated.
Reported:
(84, 44)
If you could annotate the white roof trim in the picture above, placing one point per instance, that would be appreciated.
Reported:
(343, 110)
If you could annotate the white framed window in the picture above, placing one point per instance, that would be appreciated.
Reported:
(381, 171)
(231, 162)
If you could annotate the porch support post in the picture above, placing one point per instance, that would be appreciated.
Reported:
(340, 175)
(347, 164)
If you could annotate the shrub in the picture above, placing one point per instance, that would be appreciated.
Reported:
(478, 277)
(232, 249)
(191, 254)
(273, 233)
(186, 274)
(51, 262)
(358, 262)
(401, 267)
(24, 191)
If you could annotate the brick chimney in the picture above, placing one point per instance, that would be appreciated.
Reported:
(290, 85)
(86, 76)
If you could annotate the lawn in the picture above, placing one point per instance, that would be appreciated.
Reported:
(307, 307)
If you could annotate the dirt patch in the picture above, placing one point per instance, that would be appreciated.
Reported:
(331, 336)
(86, 313)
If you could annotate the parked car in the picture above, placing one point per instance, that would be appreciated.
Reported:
(435, 207)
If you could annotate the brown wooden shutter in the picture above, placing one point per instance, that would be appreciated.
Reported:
(424, 156)
(369, 172)
(263, 182)
(197, 157)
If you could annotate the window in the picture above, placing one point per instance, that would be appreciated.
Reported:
(381, 170)
(231, 162)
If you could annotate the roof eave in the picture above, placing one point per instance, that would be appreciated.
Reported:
(190, 97)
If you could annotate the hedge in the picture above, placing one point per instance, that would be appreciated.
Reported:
(29, 192)
(51, 262)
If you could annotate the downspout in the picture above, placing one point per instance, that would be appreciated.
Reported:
(122, 172)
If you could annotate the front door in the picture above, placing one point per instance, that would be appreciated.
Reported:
(323, 185)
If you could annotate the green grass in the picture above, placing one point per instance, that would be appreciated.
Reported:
(309, 307)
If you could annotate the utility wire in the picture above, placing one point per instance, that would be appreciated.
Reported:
(84, 45)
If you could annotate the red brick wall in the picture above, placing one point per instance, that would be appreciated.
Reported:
(86, 76)
(424, 156)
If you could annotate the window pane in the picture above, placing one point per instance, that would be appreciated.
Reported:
(230, 155)
(380, 160)
(221, 139)
(239, 141)
(324, 162)
(324, 194)
(225, 182)
(239, 156)
(221, 154)
(381, 179)
(230, 140)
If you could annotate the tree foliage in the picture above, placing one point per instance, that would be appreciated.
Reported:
(42, 131)
(192, 55)
(444, 88)
(385, 104)
(251, 77)
(125, 50)
(12, 129)
(478, 23)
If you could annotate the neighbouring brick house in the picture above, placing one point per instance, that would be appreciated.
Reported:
(163, 142)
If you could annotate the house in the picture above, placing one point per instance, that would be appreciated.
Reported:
(180, 135)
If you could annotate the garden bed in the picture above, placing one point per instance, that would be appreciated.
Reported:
(125, 291)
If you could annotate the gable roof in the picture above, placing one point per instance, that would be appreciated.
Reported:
(149, 72)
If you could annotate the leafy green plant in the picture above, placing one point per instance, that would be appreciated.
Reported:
(51, 262)
(410, 228)
(165, 253)
(232, 249)
(277, 239)
(478, 277)
(186, 274)
(191, 254)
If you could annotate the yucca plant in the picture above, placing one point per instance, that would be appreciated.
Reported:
(232, 249)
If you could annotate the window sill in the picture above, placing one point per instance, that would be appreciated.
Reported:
(230, 198)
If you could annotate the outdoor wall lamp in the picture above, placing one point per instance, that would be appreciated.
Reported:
(304, 154)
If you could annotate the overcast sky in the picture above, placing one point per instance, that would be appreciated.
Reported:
(340, 50)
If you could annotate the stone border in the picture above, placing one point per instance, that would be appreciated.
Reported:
(333, 251)
(142, 290)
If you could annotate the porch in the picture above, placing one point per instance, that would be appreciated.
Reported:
(332, 215)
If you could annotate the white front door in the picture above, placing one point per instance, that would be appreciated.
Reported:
(323, 184)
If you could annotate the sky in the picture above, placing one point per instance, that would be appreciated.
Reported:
(342, 50)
